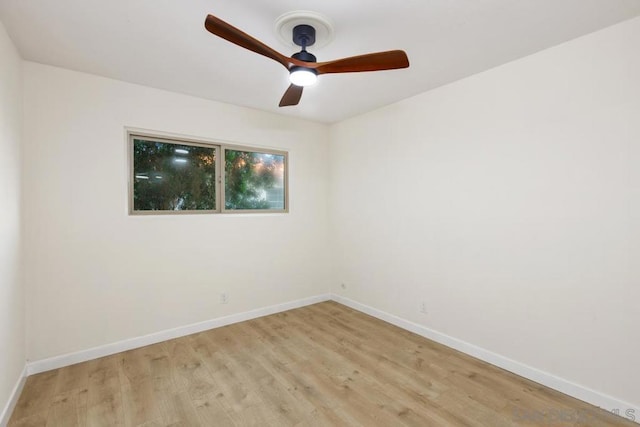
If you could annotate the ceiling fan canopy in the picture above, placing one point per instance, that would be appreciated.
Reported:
(302, 66)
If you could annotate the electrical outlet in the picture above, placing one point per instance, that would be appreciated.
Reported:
(423, 307)
(224, 298)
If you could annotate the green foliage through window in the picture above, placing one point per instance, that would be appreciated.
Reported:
(253, 180)
(173, 176)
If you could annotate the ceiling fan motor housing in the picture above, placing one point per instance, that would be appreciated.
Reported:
(304, 56)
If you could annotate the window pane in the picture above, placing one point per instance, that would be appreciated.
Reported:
(173, 177)
(254, 180)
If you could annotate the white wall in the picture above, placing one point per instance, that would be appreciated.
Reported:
(96, 275)
(12, 306)
(510, 203)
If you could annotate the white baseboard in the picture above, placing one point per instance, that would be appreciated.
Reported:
(13, 398)
(608, 403)
(35, 367)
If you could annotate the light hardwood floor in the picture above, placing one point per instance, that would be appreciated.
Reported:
(321, 365)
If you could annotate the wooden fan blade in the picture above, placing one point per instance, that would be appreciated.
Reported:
(232, 34)
(291, 96)
(390, 60)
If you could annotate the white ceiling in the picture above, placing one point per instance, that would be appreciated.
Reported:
(163, 43)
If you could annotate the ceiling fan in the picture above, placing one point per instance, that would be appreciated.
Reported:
(302, 66)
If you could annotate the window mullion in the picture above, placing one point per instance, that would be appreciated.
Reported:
(219, 178)
(223, 174)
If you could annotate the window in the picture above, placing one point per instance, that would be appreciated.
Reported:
(173, 176)
(253, 180)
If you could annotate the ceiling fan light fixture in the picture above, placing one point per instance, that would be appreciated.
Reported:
(301, 76)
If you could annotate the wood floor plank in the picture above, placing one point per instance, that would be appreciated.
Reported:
(69, 408)
(73, 377)
(140, 405)
(368, 360)
(104, 397)
(210, 411)
(38, 419)
(189, 372)
(320, 365)
(37, 395)
(178, 409)
(302, 389)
